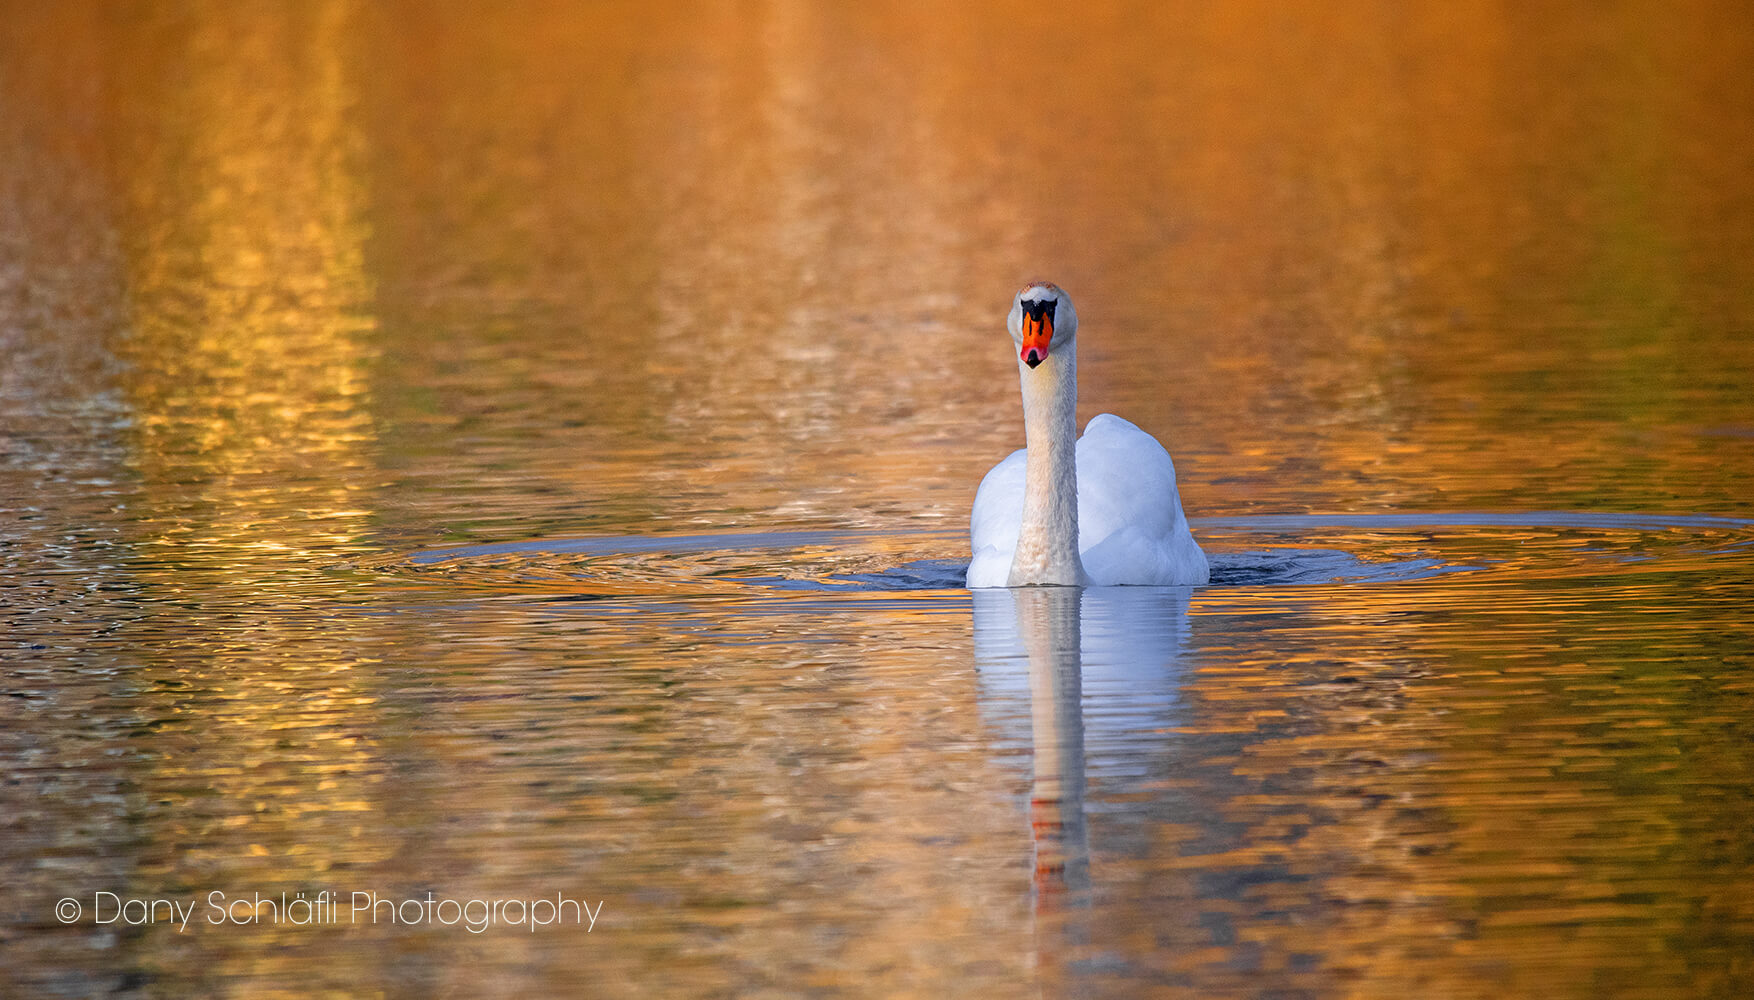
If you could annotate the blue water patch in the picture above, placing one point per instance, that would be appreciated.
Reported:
(1533, 519)
(794, 561)
(1304, 567)
(1272, 567)
(632, 544)
(921, 574)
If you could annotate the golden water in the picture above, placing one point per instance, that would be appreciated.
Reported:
(513, 450)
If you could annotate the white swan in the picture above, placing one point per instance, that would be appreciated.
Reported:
(1101, 513)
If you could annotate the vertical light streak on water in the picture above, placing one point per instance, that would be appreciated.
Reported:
(248, 339)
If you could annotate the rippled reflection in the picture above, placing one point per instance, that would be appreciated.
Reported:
(248, 334)
(1034, 645)
(248, 340)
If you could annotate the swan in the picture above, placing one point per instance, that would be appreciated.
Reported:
(1101, 512)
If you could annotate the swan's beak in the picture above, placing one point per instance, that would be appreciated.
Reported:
(1037, 335)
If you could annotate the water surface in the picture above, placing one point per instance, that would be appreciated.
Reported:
(510, 452)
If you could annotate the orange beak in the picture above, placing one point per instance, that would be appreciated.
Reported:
(1037, 335)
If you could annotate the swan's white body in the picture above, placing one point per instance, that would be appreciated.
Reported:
(1100, 511)
(1131, 529)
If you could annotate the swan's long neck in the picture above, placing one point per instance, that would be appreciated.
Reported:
(1047, 545)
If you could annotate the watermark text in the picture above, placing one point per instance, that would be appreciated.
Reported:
(329, 909)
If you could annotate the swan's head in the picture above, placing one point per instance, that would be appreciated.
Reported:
(1041, 322)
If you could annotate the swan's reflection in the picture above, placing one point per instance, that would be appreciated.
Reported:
(1099, 668)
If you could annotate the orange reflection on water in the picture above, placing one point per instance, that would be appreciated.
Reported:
(233, 158)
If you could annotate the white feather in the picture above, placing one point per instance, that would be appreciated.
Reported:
(1131, 529)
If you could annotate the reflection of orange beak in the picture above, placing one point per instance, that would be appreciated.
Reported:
(1037, 334)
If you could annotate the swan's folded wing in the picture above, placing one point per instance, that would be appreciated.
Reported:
(1125, 481)
(1130, 523)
